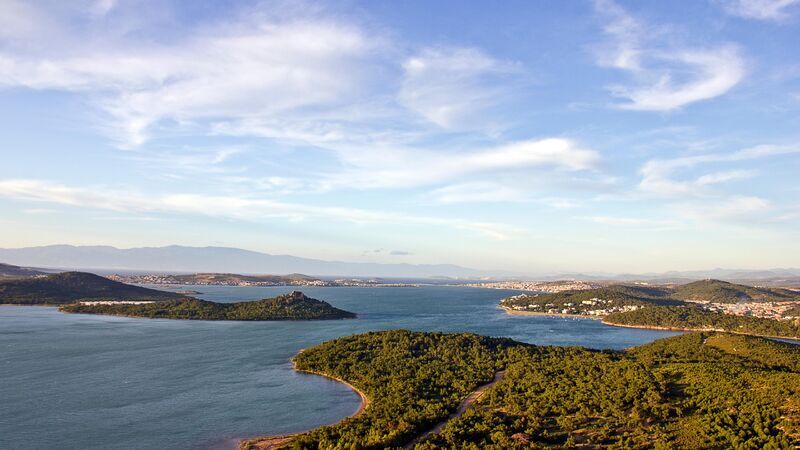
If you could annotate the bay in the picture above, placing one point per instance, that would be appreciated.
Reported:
(96, 382)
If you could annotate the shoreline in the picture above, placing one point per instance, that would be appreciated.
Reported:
(514, 312)
(716, 330)
(277, 441)
(642, 327)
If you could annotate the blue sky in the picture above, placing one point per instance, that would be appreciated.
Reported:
(535, 137)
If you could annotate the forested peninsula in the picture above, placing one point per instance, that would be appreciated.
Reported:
(694, 391)
(702, 305)
(293, 306)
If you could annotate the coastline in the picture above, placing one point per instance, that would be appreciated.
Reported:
(642, 327)
(277, 441)
(514, 312)
(718, 330)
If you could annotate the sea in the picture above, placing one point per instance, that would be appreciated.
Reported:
(86, 382)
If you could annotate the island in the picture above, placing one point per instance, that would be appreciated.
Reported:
(444, 391)
(701, 305)
(293, 306)
(69, 287)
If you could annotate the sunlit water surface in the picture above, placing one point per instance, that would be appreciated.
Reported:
(93, 382)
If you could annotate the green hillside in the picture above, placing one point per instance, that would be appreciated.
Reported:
(609, 298)
(694, 391)
(68, 287)
(294, 306)
(717, 291)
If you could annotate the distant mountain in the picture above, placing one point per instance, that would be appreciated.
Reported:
(214, 259)
(9, 271)
(68, 287)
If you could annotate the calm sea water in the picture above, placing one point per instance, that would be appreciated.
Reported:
(92, 382)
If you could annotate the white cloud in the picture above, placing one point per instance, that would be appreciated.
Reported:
(475, 193)
(665, 77)
(237, 208)
(453, 87)
(658, 174)
(402, 167)
(731, 209)
(774, 10)
(235, 72)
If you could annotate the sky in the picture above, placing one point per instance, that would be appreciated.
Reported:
(532, 136)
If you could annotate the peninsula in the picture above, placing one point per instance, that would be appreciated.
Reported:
(700, 305)
(441, 391)
(293, 306)
(69, 287)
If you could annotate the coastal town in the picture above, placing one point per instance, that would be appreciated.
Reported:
(210, 279)
(538, 286)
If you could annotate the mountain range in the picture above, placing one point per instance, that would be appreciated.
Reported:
(175, 258)
(182, 259)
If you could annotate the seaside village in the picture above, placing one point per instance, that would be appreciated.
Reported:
(600, 307)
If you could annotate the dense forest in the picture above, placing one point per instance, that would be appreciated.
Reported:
(68, 287)
(697, 319)
(695, 391)
(294, 306)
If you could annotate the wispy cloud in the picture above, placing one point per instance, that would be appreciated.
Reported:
(410, 167)
(774, 10)
(633, 222)
(237, 208)
(262, 66)
(658, 174)
(695, 198)
(454, 87)
(665, 76)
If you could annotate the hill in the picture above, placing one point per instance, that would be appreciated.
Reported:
(694, 391)
(177, 258)
(294, 306)
(599, 301)
(9, 271)
(68, 287)
(717, 291)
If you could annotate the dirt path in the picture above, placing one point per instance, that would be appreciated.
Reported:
(462, 408)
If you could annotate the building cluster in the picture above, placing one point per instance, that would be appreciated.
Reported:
(592, 307)
(538, 286)
(765, 310)
(115, 302)
(180, 280)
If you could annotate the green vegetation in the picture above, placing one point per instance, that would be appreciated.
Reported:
(695, 391)
(616, 297)
(294, 306)
(606, 299)
(68, 287)
(716, 291)
(693, 318)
